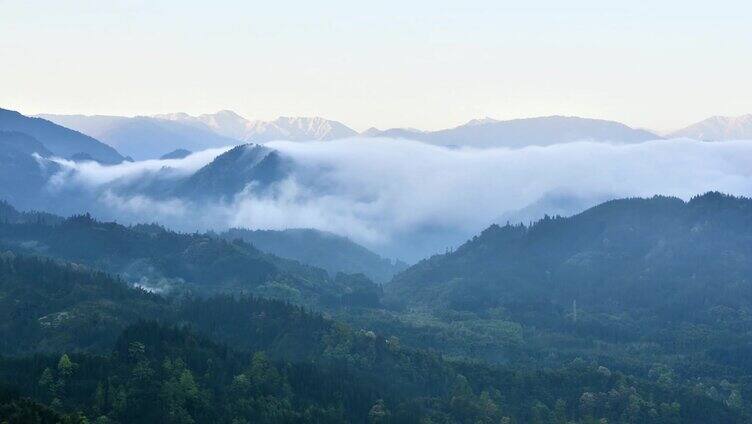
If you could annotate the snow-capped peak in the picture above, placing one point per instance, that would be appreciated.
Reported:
(231, 124)
(719, 128)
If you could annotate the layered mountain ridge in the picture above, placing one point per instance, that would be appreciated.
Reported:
(516, 133)
(59, 140)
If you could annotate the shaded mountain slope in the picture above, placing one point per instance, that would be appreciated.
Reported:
(164, 261)
(325, 250)
(24, 170)
(232, 171)
(59, 140)
(144, 137)
(661, 254)
(49, 306)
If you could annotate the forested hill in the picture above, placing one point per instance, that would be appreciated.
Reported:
(659, 288)
(661, 254)
(231, 360)
(679, 353)
(46, 306)
(10, 215)
(163, 261)
(322, 249)
(54, 306)
(232, 171)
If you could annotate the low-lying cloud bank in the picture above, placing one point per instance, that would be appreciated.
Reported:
(411, 199)
(95, 175)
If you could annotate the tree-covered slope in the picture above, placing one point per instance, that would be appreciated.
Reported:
(231, 172)
(325, 250)
(164, 261)
(661, 254)
(166, 373)
(50, 305)
(244, 359)
(662, 339)
(659, 288)
(46, 306)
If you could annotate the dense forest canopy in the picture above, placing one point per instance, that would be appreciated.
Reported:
(634, 253)
(163, 261)
(636, 310)
(270, 362)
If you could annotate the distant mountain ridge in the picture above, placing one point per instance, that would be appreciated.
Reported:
(540, 131)
(718, 128)
(24, 169)
(167, 132)
(176, 154)
(59, 140)
(145, 137)
(230, 124)
(484, 132)
(299, 129)
(225, 122)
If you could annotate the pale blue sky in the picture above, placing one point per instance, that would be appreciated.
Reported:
(425, 64)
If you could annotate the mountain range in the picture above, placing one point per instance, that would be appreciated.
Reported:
(633, 311)
(639, 274)
(517, 133)
(484, 132)
(718, 128)
(150, 137)
(230, 124)
(324, 251)
(144, 137)
(59, 140)
(620, 255)
(479, 133)
(256, 168)
(162, 261)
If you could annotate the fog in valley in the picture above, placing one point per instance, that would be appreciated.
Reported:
(409, 199)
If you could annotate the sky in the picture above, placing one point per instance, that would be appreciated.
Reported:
(427, 64)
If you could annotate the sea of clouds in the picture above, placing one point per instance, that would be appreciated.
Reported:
(410, 199)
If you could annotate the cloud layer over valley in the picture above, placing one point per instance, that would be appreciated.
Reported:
(410, 199)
